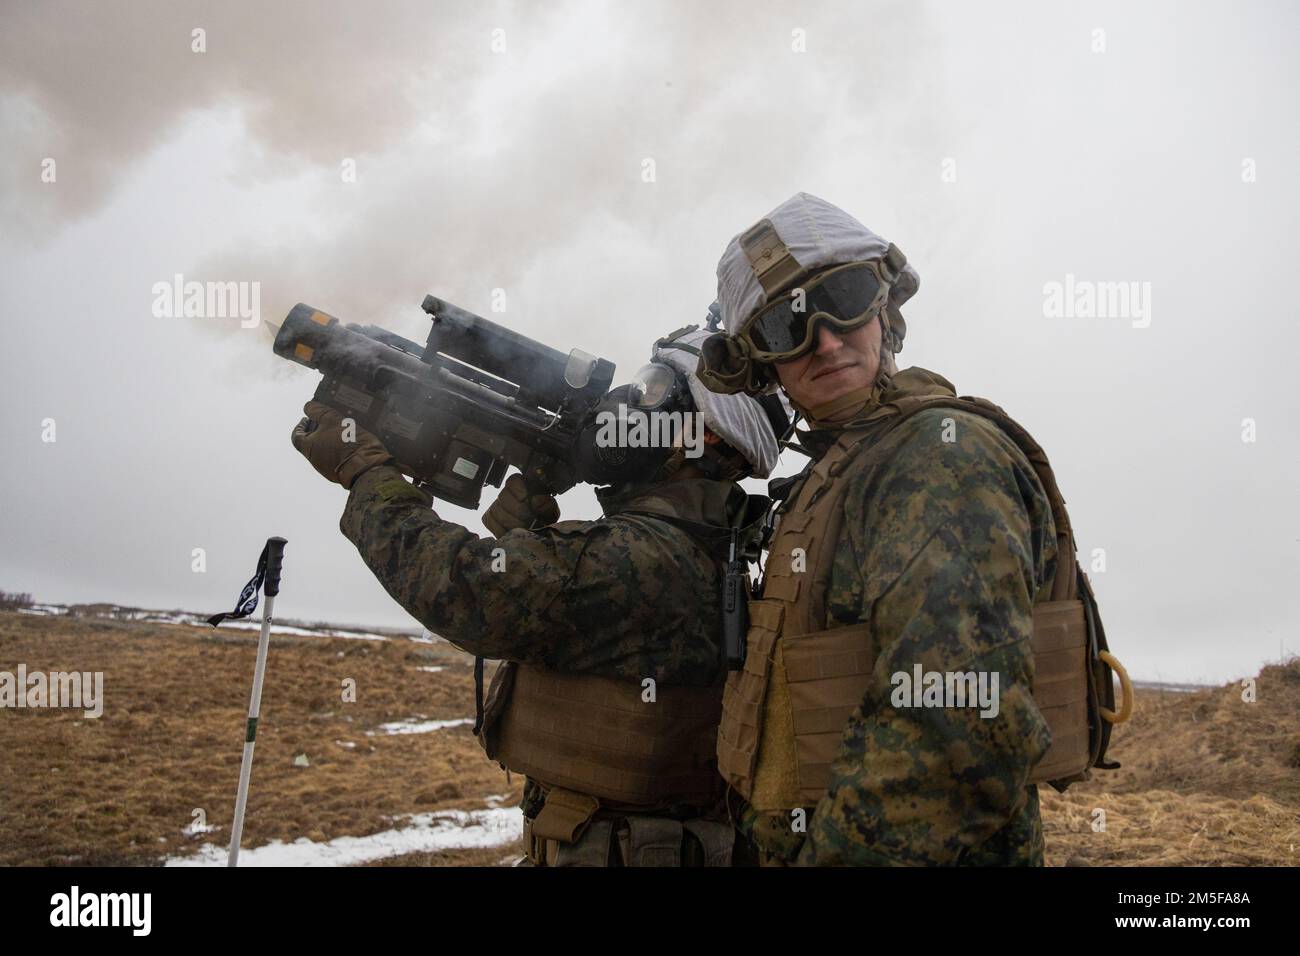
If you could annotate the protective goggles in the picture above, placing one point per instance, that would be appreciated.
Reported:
(845, 298)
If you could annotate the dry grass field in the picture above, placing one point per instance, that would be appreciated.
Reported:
(121, 789)
(1206, 778)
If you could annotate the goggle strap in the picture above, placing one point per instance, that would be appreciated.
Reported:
(895, 260)
(774, 267)
(894, 327)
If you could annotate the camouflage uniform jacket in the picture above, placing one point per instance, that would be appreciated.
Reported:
(628, 595)
(946, 543)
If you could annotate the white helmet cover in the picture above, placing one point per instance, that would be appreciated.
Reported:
(817, 234)
(737, 419)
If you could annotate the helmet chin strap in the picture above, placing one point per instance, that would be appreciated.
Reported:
(830, 415)
(827, 414)
(719, 462)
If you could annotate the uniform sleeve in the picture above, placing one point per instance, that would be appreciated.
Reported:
(945, 550)
(485, 595)
(587, 596)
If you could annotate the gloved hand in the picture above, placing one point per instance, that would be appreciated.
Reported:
(516, 508)
(319, 437)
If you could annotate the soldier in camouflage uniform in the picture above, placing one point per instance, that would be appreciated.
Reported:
(611, 629)
(919, 535)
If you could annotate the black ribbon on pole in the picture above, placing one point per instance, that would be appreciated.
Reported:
(247, 602)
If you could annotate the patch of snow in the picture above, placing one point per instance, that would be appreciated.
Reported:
(250, 625)
(432, 669)
(417, 726)
(426, 832)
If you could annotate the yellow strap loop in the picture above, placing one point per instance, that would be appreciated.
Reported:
(1125, 688)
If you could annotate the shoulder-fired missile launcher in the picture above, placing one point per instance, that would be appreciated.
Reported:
(458, 412)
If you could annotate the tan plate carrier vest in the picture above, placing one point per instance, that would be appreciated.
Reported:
(596, 736)
(784, 714)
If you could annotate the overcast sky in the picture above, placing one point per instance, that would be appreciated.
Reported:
(1002, 146)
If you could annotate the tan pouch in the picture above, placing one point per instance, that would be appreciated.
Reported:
(592, 848)
(564, 815)
(651, 841)
(827, 674)
(742, 703)
(717, 840)
(1061, 688)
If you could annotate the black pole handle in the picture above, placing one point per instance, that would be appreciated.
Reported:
(274, 558)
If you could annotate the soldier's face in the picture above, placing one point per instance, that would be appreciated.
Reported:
(838, 365)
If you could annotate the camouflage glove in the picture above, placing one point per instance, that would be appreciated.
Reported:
(516, 508)
(320, 438)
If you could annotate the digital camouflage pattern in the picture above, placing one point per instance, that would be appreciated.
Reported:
(624, 596)
(944, 548)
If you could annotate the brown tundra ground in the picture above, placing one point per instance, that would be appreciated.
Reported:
(1207, 778)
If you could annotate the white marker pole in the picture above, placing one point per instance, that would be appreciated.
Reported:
(271, 587)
